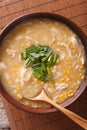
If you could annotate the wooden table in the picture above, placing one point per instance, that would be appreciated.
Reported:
(76, 11)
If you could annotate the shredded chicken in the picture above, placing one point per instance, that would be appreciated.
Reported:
(55, 31)
(74, 41)
(2, 65)
(31, 39)
(18, 37)
(61, 86)
(61, 54)
(11, 52)
(67, 48)
(7, 76)
(25, 74)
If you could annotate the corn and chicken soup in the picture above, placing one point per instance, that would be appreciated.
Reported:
(41, 54)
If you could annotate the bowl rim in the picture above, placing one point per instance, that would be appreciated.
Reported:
(56, 17)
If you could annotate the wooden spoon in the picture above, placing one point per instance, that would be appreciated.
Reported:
(77, 119)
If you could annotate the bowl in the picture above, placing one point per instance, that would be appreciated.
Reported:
(70, 24)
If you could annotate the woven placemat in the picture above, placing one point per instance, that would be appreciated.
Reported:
(76, 11)
(3, 117)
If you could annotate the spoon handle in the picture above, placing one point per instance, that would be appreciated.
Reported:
(76, 118)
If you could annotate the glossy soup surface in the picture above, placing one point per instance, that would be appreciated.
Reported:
(68, 72)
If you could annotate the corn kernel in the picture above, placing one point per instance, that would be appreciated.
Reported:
(70, 93)
(68, 72)
(9, 81)
(76, 76)
(69, 82)
(70, 44)
(36, 80)
(52, 86)
(82, 77)
(57, 101)
(58, 43)
(81, 67)
(70, 62)
(56, 23)
(70, 67)
(26, 103)
(63, 33)
(17, 88)
(67, 57)
(22, 44)
(74, 51)
(65, 76)
(19, 96)
(42, 83)
(75, 84)
(67, 79)
(65, 95)
(62, 66)
(58, 61)
(81, 74)
(61, 98)
(14, 68)
(15, 91)
(61, 80)
(39, 106)
(65, 72)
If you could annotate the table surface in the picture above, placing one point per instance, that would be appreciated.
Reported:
(72, 9)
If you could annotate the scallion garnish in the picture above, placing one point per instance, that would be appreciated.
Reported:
(40, 58)
(55, 57)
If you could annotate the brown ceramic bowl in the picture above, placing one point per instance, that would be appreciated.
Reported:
(69, 23)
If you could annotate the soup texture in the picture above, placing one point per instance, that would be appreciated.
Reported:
(67, 73)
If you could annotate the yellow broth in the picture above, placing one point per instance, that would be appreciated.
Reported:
(68, 72)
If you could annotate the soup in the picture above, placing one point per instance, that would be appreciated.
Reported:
(67, 73)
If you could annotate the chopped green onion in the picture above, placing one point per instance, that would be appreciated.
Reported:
(25, 54)
(41, 58)
(22, 56)
(41, 53)
(44, 59)
(37, 74)
(36, 66)
(50, 59)
(43, 67)
(48, 70)
(51, 80)
(33, 48)
(55, 58)
(35, 55)
(48, 53)
(44, 78)
(31, 58)
(43, 48)
(27, 63)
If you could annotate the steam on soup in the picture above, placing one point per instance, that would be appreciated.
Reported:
(67, 73)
